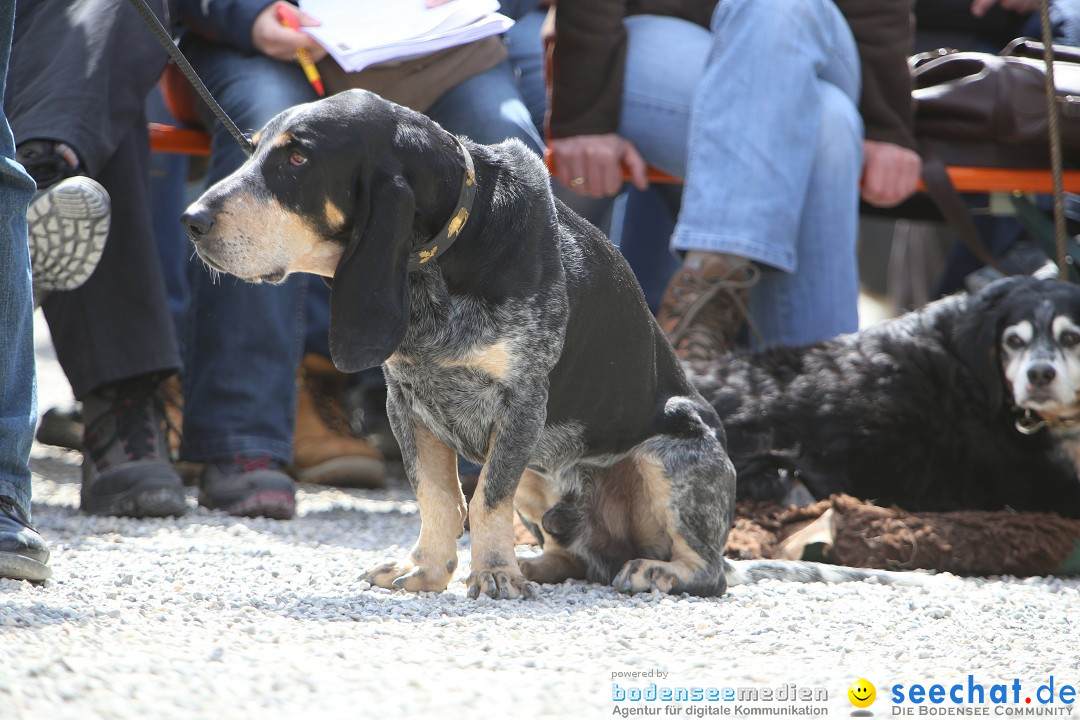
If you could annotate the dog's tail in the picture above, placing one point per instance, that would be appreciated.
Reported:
(745, 572)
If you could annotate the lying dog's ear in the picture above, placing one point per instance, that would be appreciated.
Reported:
(976, 333)
(369, 297)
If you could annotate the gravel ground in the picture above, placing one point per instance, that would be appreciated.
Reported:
(210, 616)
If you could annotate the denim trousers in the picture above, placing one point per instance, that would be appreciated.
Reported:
(245, 340)
(759, 114)
(18, 396)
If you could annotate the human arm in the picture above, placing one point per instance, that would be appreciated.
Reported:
(890, 173)
(593, 164)
(981, 7)
(586, 93)
(249, 26)
(882, 31)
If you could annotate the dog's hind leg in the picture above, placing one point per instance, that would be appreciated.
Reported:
(432, 469)
(682, 515)
(533, 500)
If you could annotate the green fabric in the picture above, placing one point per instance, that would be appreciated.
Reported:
(1071, 565)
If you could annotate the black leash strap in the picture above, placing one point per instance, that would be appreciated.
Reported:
(189, 72)
(939, 186)
(1054, 127)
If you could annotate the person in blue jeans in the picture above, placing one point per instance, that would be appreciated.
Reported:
(771, 110)
(246, 341)
(24, 555)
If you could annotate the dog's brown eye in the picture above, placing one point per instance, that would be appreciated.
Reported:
(296, 159)
(1069, 338)
(1014, 342)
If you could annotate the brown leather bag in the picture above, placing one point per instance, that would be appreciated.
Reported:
(990, 110)
(983, 110)
(417, 83)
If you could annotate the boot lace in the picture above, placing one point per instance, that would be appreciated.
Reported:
(137, 414)
(705, 327)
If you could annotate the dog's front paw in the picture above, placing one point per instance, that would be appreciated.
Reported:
(500, 583)
(406, 575)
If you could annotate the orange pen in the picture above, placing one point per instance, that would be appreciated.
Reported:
(287, 19)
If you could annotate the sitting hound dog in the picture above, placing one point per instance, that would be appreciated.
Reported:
(510, 332)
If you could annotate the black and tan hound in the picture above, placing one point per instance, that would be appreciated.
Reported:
(510, 331)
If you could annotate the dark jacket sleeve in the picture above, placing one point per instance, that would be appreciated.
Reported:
(882, 30)
(588, 66)
(224, 21)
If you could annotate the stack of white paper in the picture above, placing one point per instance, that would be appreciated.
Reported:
(360, 33)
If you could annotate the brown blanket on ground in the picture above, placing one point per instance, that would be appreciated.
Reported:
(846, 531)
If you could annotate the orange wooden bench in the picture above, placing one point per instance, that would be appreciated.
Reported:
(183, 104)
(191, 141)
(984, 180)
(179, 140)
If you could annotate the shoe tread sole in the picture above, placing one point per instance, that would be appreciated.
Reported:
(68, 225)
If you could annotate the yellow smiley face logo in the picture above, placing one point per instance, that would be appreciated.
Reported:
(862, 693)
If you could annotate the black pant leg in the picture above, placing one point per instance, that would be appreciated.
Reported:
(80, 73)
(118, 325)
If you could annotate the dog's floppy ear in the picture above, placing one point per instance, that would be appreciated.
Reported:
(369, 297)
(976, 334)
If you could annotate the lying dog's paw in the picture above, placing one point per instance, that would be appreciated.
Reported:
(406, 575)
(551, 567)
(500, 583)
(645, 575)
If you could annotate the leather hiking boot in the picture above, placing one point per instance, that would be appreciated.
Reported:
(62, 427)
(324, 449)
(248, 486)
(705, 307)
(173, 393)
(172, 396)
(24, 555)
(126, 468)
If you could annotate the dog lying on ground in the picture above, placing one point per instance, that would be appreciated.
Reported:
(971, 403)
(510, 332)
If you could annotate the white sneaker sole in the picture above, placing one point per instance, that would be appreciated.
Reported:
(68, 224)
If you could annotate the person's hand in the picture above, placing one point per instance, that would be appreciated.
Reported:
(593, 164)
(890, 173)
(980, 7)
(273, 39)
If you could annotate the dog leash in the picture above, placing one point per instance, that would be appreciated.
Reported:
(1054, 128)
(432, 249)
(189, 72)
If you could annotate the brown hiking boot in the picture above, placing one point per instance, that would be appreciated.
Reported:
(324, 449)
(173, 396)
(705, 307)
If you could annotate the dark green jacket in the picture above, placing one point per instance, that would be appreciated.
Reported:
(591, 47)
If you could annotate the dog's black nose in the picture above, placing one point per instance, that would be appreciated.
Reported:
(198, 221)
(1041, 375)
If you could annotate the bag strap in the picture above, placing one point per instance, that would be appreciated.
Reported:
(940, 187)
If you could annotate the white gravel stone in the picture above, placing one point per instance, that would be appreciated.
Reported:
(213, 616)
(209, 616)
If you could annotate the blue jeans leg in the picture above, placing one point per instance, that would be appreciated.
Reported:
(526, 57)
(488, 109)
(245, 339)
(18, 391)
(317, 339)
(769, 142)
(168, 176)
